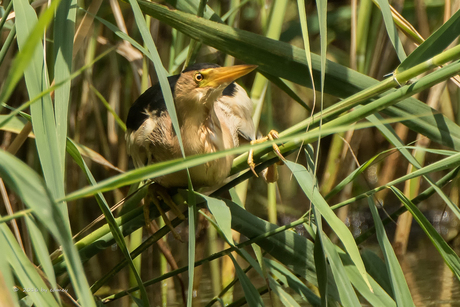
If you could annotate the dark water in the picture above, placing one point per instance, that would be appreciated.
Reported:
(430, 280)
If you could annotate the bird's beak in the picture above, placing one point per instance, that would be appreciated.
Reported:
(225, 75)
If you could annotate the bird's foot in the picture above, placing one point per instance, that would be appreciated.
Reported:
(155, 194)
(272, 173)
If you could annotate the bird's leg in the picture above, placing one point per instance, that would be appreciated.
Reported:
(162, 193)
(156, 193)
(272, 135)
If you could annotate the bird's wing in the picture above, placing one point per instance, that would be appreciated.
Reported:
(142, 119)
(151, 101)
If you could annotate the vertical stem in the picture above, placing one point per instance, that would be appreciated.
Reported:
(272, 212)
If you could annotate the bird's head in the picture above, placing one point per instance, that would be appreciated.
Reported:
(203, 84)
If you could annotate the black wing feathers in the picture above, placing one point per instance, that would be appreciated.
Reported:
(151, 100)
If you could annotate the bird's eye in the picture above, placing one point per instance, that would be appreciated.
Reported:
(198, 77)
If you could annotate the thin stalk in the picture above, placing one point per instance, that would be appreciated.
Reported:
(7, 44)
(233, 10)
(332, 169)
(172, 50)
(404, 25)
(16, 215)
(135, 239)
(373, 41)
(8, 10)
(213, 242)
(272, 210)
(163, 270)
(362, 31)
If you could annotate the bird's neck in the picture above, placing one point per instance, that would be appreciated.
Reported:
(202, 116)
(198, 114)
(203, 132)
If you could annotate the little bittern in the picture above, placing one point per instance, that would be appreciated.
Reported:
(214, 114)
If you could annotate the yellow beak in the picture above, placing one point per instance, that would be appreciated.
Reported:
(225, 75)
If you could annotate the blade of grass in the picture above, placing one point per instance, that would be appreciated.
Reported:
(450, 257)
(6, 279)
(398, 282)
(391, 29)
(64, 30)
(32, 284)
(117, 234)
(284, 297)
(315, 229)
(285, 88)
(322, 19)
(353, 175)
(14, 125)
(323, 271)
(379, 296)
(32, 190)
(194, 46)
(222, 215)
(280, 272)
(348, 296)
(452, 162)
(193, 216)
(305, 37)
(306, 182)
(43, 120)
(16, 215)
(254, 264)
(41, 251)
(192, 7)
(362, 31)
(376, 268)
(250, 292)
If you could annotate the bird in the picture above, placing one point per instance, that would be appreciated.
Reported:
(214, 114)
